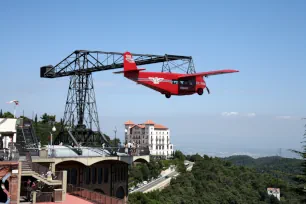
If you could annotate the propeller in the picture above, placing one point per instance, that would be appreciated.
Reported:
(207, 90)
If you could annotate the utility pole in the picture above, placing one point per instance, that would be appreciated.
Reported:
(115, 136)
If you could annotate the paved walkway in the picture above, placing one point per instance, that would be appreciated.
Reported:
(72, 200)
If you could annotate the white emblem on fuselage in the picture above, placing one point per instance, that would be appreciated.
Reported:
(129, 58)
(156, 80)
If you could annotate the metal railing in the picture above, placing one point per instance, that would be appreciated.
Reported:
(92, 196)
(58, 175)
(40, 169)
(44, 197)
(95, 151)
(138, 151)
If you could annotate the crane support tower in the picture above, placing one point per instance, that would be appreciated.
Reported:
(81, 121)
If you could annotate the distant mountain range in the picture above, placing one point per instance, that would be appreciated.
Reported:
(251, 152)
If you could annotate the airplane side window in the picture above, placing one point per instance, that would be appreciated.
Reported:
(174, 82)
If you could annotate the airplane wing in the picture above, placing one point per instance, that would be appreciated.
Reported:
(125, 71)
(206, 74)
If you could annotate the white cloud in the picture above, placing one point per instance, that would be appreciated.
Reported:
(251, 114)
(284, 117)
(229, 113)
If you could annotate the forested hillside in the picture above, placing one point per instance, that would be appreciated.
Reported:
(213, 180)
(285, 168)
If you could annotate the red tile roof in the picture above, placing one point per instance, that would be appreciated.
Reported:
(157, 126)
(129, 123)
(139, 125)
(149, 122)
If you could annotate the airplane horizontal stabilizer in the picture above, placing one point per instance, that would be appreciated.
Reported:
(134, 70)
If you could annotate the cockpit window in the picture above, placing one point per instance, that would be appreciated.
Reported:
(187, 82)
(174, 82)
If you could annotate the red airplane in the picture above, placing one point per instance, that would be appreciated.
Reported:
(168, 83)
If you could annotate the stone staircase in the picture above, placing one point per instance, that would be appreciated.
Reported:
(26, 170)
(25, 166)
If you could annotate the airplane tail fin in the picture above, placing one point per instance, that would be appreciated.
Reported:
(129, 64)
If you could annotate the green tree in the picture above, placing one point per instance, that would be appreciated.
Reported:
(25, 118)
(145, 171)
(195, 158)
(1, 114)
(181, 167)
(213, 180)
(179, 155)
(137, 175)
(8, 115)
(300, 188)
(35, 119)
(114, 142)
(45, 118)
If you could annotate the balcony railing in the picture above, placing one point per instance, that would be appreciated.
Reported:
(95, 152)
(92, 196)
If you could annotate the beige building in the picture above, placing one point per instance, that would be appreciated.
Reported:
(149, 134)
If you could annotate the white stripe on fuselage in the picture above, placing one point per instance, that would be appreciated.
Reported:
(164, 80)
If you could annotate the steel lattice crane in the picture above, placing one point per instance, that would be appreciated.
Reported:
(81, 122)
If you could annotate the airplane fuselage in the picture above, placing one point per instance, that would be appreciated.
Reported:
(168, 83)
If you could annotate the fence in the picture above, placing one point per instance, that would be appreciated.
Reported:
(93, 196)
(44, 196)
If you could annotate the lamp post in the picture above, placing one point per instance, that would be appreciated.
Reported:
(53, 130)
(126, 131)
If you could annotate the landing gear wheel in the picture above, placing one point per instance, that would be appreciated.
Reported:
(168, 95)
(200, 91)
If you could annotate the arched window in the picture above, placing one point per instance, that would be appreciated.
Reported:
(94, 175)
(74, 176)
(120, 192)
(122, 172)
(100, 172)
(68, 175)
(105, 174)
(87, 175)
(115, 174)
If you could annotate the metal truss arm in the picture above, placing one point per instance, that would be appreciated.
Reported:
(102, 61)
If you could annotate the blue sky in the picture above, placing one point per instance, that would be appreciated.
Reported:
(265, 40)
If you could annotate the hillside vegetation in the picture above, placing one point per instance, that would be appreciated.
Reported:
(278, 167)
(146, 171)
(215, 181)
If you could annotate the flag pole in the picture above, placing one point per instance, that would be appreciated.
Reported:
(15, 110)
